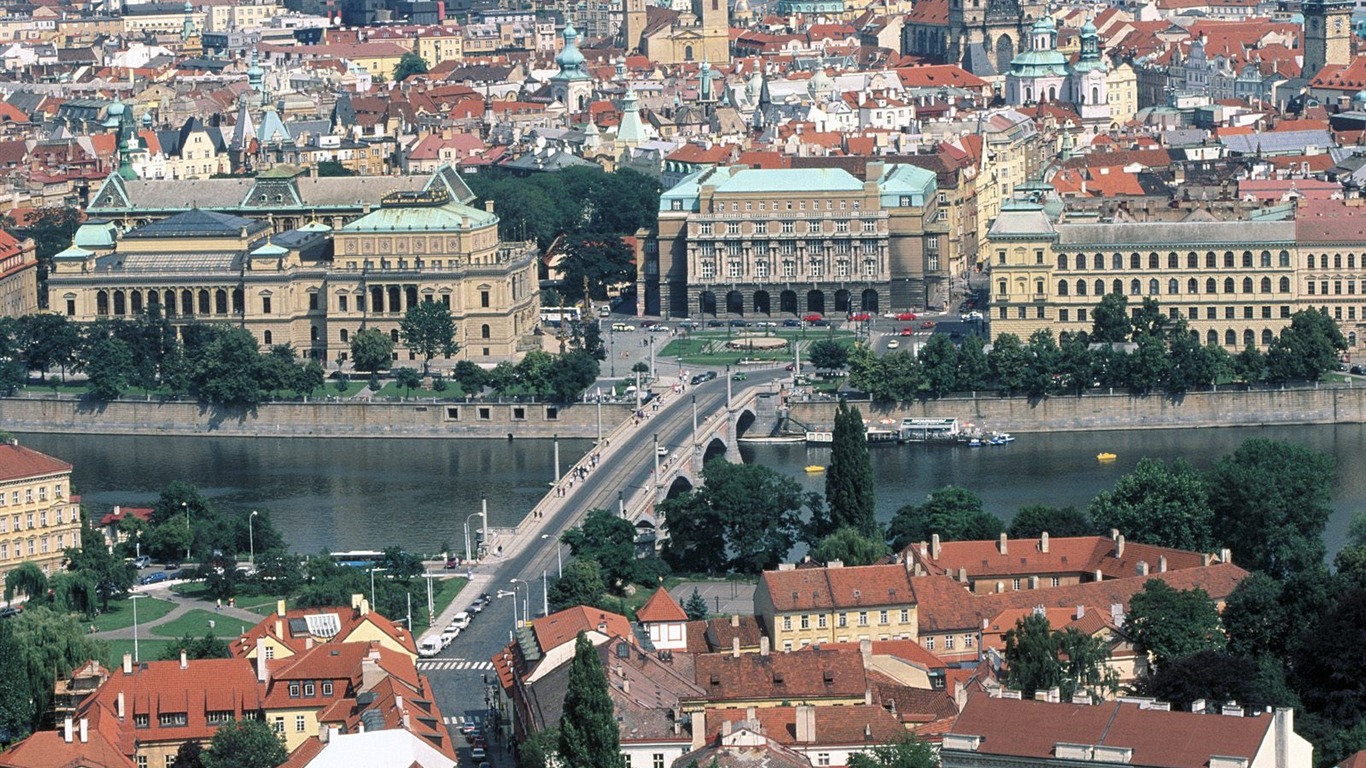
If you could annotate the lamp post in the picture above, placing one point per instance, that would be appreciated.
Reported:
(559, 559)
(467, 530)
(372, 585)
(513, 595)
(526, 609)
(135, 599)
(186, 506)
(251, 537)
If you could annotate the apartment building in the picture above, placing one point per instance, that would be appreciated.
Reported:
(39, 518)
(798, 607)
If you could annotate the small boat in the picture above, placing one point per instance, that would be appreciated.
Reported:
(975, 443)
(814, 468)
(1105, 457)
(1005, 437)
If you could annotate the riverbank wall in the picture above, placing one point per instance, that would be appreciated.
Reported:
(411, 419)
(1098, 411)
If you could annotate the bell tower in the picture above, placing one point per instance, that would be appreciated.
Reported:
(1327, 35)
(633, 26)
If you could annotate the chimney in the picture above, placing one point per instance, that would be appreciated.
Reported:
(66, 730)
(1002, 545)
(763, 644)
(280, 607)
(364, 607)
(735, 620)
(127, 663)
(184, 661)
(1285, 729)
(835, 564)
(118, 704)
(935, 546)
(1232, 709)
(1081, 612)
(1119, 545)
(699, 729)
(1043, 542)
(308, 643)
(1226, 555)
(1142, 567)
(1099, 576)
(488, 206)
(625, 685)
(806, 724)
(735, 647)
(262, 672)
(1198, 706)
(963, 574)
(1161, 563)
(865, 650)
(279, 628)
(85, 730)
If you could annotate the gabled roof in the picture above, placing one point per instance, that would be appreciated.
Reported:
(661, 607)
(49, 749)
(834, 588)
(198, 223)
(16, 462)
(563, 626)
(1026, 556)
(805, 675)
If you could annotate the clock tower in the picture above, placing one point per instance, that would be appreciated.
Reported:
(1327, 34)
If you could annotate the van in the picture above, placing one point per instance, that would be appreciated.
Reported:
(623, 327)
(460, 620)
(429, 647)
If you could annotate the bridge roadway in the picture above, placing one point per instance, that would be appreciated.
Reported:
(529, 553)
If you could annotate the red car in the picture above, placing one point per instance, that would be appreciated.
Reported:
(906, 316)
(812, 317)
(859, 317)
(927, 324)
(908, 331)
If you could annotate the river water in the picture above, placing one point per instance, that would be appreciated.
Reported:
(350, 493)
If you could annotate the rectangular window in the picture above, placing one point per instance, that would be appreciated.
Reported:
(299, 723)
(327, 689)
(967, 641)
(142, 721)
(820, 621)
(905, 616)
(265, 305)
(171, 719)
(842, 620)
(1064, 315)
(279, 724)
(863, 618)
(1015, 584)
(787, 228)
(733, 228)
(313, 301)
(806, 622)
(142, 761)
(657, 760)
(484, 299)
(787, 622)
(948, 643)
(342, 303)
(761, 228)
(293, 690)
(822, 758)
(706, 228)
(309, 690)
(929, 643)
(882, 617)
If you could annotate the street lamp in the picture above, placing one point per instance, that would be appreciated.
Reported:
(135, 599)
(526, 609)
(251, 537)
(484, 515)
(513, 595)
(372, 585)
(559, 559)
(186, 506)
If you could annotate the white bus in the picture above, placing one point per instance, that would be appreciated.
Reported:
(556, 317)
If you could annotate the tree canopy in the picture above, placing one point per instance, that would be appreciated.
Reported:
(849, 492)
(1035, 519)
(1170, 623)
(589, 735)
(744, 519)
(244, 744)
(371, 350)
(428, 329)
(956, 514)
(1040, 658)
(1165, 505)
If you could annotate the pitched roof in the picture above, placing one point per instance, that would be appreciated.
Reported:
(16, 462)
(833, 588)
(858, 724)
(1027, 556)
(805, 675)
(1032, 729)
(661, 607)
(49, 749)
(563, 626)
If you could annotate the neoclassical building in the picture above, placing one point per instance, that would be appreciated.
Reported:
(39, 518)
(982, 36)
(313, 285)
(667, 36)
(1043, 74)
(741, 241)
(1236, 282)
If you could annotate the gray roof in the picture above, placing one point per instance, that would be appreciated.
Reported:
(198, 223)
(1021, 220)
(1276, 142)
(1175, 234)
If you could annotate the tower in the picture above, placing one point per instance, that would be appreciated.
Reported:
(1327, 34)
(572, 85)
(634, 26)
(1087, 81)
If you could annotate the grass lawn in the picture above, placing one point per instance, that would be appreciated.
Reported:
(196, 624)
(391, 389)
(709, 347)
(443, 592)
(148, 649)
(120, 614)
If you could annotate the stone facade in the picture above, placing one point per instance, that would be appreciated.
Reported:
(38, 517)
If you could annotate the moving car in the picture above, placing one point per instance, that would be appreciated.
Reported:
(739, 324)
(689, 324)
(790, 323)
(624, 327)
(860, 317)
(812, 317)
(739, 376)
(662, 450)
(153, 578)
(452, 563)
(907, 316)
(927, 324)
(893, 344)
(908, 331)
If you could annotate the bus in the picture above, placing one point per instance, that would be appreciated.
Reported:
(556, 317)
(360, 558)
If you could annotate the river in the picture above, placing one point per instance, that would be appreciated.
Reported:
(343, 493)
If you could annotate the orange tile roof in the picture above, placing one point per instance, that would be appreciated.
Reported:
(832, 588)
(835, 725)
(828, 672)
(563, 626)
(49, 749)
(349, 620)
(661, 607)
(17, 462)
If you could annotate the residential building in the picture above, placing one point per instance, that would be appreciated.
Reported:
(665, 621)
(798, 607)
(112, 523)
(744, 241)
(823, 735)
(313, 287)
(39, 518)
(996, 732)
(18, 276)
(826, 675)
(291, 631)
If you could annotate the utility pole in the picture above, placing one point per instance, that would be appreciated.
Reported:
(728, 389)
(557, 459)
(694, 423)
(657, 477)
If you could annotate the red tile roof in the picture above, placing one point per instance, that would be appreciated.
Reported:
(835, 725)
(49, 749)
(142, 513)
(1065, 555)
(17, 462)
(805, 675)
(561, 627)
(1329, 221)
(349, 620)
(833, 588)
(661, 607)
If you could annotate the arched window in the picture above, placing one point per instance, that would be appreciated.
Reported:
(1081, 287)
(1310, 260)
(1062, 261)
(485, 331)
(1228, 259)
(101, 303)
(1134, 261)
(393, 335)
(1135, 287)
(1173, 261)
(1099, 262)
(1118, 286)
(1211, 261)
(1285, 285)
(268, 338)
(1230, 338)
(1267, 337)
(1266, 258)
(1081, 261)
(1283, 258)
(1062, 287)
(687, 53)
(1212, 338)
(1249, 338)
(1152, 261)
(1228, 284)
(1192, 260)
(1266, 285)
(1152, 286)
(344, 336)
(1209, 285)
(1117, 261)
(1095, 95)
(1173, 286)
(1100, 287)
(1192, 286)
(1247, 283)
(1247, 258)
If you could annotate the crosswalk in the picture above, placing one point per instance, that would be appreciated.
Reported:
(447, 665)
(461, 719)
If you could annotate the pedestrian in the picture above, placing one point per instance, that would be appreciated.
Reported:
(219, 608)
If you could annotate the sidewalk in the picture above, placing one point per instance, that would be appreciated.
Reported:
(183, 606)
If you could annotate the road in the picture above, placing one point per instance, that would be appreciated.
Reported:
(462, 674)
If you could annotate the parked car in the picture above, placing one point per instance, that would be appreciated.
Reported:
(10, 612)
(766, 324)
(973, 316)
(476, 607)
(1358, 370)
(893, 344)
(820, 323)
(623, 327)
(860, 317)
(790, 323)
(715, 324)
(907, 316)
(429, 647)
(460, 620)
(468, 730)
(142, 562)
(452, 563)
(477, 753)
(812, 317)
(449, 636)
(739, 376)
(153, 578)
(689, 324)
(739, 324)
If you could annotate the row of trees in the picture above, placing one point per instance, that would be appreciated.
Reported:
(1148, 352)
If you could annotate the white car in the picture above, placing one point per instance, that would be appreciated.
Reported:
(449, 636)
(430, 647)
(893, 344)
(662, 450)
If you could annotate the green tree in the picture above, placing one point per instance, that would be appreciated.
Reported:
(311, 378)
(743, 519)
(1190, 364)
(109, 574)
(570, 374)
(1319, 668)
(407, 378)
(45, 340)
(1148, 363)
(910, 752)
(1035, 519)
(206, 647)
(850, 546)
(1076, 364)
(939, 364)
(1254, 618)
(580, 583)
(1170, 623)
(168, 541)
(1149, 320)
(1250, 365)
(1159, 504)
(189, 755)
(1110, 320)
(1272, 504)
(973, 372)
(16, 709)
(956, 514)
(108, 364)
(1307, 348)
(371, 350)
(597, 260)
(538, 749)
(52, 229)
(696, 606)
(608, 539)
(849, 491)
(1213, 676)
(53, 643)
(409, 64)
(276, 370)
(1039, 658)
(329, 169)
(1009, 363)
(27, 580)
(697, 535)
(472, 378)
(428, 329)
(226, 369)
(244, 744)
(827, 354)
(588, 729)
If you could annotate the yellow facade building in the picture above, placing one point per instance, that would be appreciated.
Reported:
(813, 606)
(38, 517)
